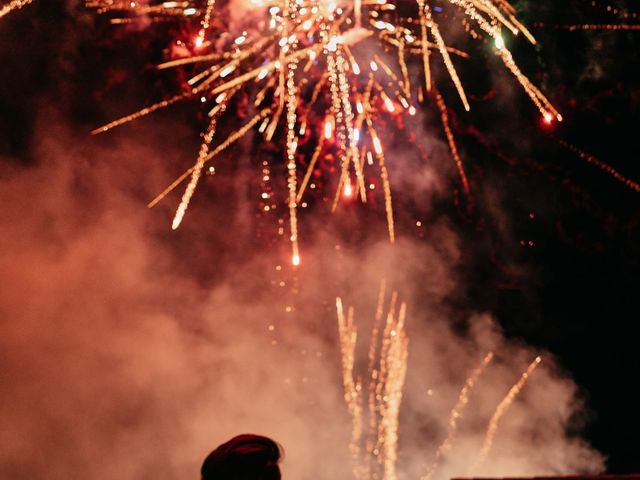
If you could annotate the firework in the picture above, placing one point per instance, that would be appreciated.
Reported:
(326, 77)
(12, 5)
(375, 448)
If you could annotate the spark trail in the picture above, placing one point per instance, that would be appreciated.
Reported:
(501, 409)
(456, 414)
(12, 5)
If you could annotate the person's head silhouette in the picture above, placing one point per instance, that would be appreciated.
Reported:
(245, 457)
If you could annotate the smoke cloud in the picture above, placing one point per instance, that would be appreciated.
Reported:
(131, 351)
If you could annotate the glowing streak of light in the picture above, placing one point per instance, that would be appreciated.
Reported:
(435, 31)
(424, 43)
(396, 364)
(456, 414)
(336, 107)
(444, 117)
(501, 409)
(291, 12)
(216, 112)
(358, 127)
(388, 71)
(195, 174)
(406, 83)
(372, 443)
(384, 176)
(602, 165)
(164, 10)
(291, 163)
(204, 26)
(307, 175)
(13, 5)
(234, 137)
(348, 117)
(414, 50)
(493, 12)
(599, 26)
(352, 388)
(519, 27)
(387, 365)
(143, 112)
(274, 65)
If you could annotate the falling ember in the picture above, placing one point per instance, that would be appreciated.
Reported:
(13, 5)
(305, 62)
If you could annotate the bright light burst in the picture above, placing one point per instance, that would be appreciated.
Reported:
(324, 77)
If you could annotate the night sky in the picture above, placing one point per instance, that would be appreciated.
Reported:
(549, 242)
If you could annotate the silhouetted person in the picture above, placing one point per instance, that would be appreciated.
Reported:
(245, 457)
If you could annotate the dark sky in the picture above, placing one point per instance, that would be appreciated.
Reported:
(550, 244)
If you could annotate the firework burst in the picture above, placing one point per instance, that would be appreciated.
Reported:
(324, 77)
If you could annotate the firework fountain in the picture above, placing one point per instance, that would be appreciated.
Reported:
(374, 404)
